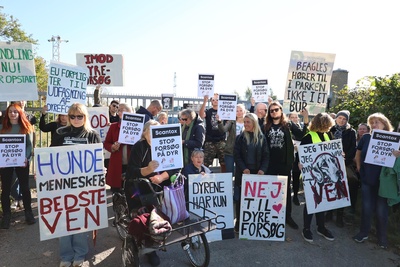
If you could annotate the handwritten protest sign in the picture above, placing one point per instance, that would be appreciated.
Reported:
(227, 107)
(381, 146)
(98, 117)
(66, 86)
(71, 190)
(167, 101)
(213, 192)
(17, 72)
(103, 68)
(308, 82)
(12, 150)
(131, 128)
(206, 85)
(263, 207)
(166, 146)
(260, 90)
(324, 176)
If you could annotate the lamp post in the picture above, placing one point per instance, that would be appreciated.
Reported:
(56, 40)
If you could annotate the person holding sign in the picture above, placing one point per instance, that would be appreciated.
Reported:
(62, 120)
(15, 122)
(369, 173)
(192, 133)
(251, 154)
(73, 248)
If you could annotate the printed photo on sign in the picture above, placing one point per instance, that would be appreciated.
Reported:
(66, 86)
(324, 176)
(103, 69)
(17, 72)
(227, 107)
(71, 192)
(308, 82)
(166, 146)
(12, 150)
(381, 146)
(205, 85)
(98, 117)
(260, 90)
(263, 207)
(213, 192)
(131, 128)
(167, 101)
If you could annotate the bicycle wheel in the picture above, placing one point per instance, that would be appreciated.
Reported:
(197, 250)
(121, 224)
(130, 253)
(121, 215)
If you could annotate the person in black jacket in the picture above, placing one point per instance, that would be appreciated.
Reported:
(62, 120)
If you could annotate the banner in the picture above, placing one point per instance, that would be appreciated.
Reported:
(381, 146)
(17, 72)
(98, 117)
(260, 90)
(166, 146)
(205, 85)
(324, 176)
(12, 150)
(131, 128)
(104, 69)
(308, 82)
(66, 86)
(167, 101)
(213, 192)
(71, 190)
(227, 107)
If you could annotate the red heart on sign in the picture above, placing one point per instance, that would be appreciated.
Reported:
(277, 208)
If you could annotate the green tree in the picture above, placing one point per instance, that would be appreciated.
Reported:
(248, 94)
(10, 30)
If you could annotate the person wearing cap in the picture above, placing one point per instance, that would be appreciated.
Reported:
(343, 130)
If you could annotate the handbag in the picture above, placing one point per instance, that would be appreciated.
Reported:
(174, 204)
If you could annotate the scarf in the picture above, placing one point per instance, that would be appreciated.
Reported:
(186, 132)
(339, 131)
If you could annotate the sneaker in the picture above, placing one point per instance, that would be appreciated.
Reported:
(359, 238)
(296, 201)
(78, 263)
(6, 221)
(291, 223)
(65, 264)
(153, 258)
(383, 246)
(325, 233)
(307, 235)
(29, 218)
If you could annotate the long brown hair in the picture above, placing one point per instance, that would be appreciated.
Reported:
(23, 121)
(269, 121)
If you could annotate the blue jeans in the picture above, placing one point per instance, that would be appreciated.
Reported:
(74, 247)
(371, 203)
(229, 163)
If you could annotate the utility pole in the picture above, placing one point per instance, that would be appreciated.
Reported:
(174, 83)
(56, 40)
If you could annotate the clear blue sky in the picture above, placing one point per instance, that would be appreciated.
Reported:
(237, 41)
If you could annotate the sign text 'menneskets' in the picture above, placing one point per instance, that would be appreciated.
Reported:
(11, 139)
(206, 77)
(386, 137)
(133, 118)
(257, 82)
(227, 97)
(165, 132)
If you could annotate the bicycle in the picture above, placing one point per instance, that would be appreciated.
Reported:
(190, 233)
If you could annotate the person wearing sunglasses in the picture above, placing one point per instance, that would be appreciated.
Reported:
(113, 111)
(277, 131)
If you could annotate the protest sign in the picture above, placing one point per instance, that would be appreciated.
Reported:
(260, 90)
(308, 82)
(12, 150)
(17, 72)
(102, 68)
(167, 101)
(131, 128)
(66, 86)
(213, 192)
(71, 190)
(381, 146)
(206, 85)
(98, 117)
(192, 106)
(263, 207)
(166, 146)
(227, 107)
(324, 176)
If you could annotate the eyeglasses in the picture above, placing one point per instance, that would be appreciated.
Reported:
(274, 110)
(115, 106)
(73, 117)
(183, 119)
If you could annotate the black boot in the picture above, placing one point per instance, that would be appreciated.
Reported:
(29, 218)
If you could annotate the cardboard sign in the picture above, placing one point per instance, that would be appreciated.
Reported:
(206, 85)
(260, 90)
(167, 101)
(71, 190)
(17, 72)
(308, 82)
(12, 150)
(263, 207)
(98, 117)
(131, 128)
(324, 176)
(227, 107)
(381, 146)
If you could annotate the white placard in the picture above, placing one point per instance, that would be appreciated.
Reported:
(12, 150)
(71, 190)
(103, 69)
(324, 176)
(227, 107)
(167, 101)
(380, 148)
(17, 72)
(263, 207)
(131, 128)
(260, 90)
(166, 146)
(66, 86)
(98, 117)
(205, 85)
